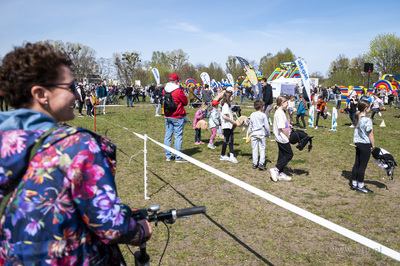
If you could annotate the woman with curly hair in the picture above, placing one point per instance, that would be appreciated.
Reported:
(59, 203)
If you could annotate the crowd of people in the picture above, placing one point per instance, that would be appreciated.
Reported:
(59, 202)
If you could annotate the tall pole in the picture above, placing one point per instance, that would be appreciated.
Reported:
(368, 81)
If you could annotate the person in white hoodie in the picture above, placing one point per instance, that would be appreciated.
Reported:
(174, 122)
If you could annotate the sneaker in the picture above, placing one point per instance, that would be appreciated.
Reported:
(274, 174)
(262, 167)
(158, 115)
(200, 142)
(211, 146)
(233, 159)
(80, 115)
(282, 176)
(181, 160)
(316, 127)
(255, 166)
(170, 159)
(224, 158)
(352, 126)
(364, 190)
(197, 143)
(329, 114)
(352, 187)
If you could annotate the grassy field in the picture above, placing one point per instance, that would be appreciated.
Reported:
(241, 228)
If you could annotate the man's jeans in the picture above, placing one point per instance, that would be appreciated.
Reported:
(173, 125)
(128, 100)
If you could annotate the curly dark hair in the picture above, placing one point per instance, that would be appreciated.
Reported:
(26, 67)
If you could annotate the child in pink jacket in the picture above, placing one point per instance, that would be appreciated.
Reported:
(197, 117)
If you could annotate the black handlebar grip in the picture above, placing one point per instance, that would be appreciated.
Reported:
(190, 211)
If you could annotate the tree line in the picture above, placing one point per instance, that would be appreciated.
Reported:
(127, 66)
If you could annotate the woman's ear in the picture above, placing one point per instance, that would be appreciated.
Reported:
(40, 95)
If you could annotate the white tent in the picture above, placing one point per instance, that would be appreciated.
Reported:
(284, 85)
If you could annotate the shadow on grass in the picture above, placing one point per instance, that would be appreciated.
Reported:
(191, 151)
(347, 175)
(211, 220)
(297, 171)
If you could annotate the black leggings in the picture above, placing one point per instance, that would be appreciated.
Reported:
(318, 114)
(363, 153)
(285, 155)
(302, 119)
(374, 111)
(228, 138)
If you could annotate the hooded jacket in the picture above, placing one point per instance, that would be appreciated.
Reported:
(65, 210)
(180, 100)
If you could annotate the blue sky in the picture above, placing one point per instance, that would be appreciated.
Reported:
(208, 31)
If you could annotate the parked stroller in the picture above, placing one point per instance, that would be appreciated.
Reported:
(385, 160)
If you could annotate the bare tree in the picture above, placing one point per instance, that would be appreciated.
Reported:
(126, 65)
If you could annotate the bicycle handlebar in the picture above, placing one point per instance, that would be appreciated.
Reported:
(168, 216)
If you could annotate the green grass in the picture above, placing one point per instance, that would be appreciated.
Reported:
(241, 228)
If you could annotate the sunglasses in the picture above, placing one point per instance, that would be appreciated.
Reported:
(71, 86)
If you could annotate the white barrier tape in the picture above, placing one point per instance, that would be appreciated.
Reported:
(286, 205)
(137, 134)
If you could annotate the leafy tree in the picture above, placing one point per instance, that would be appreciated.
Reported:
(269, 62)
(384, 53)
(186, 71)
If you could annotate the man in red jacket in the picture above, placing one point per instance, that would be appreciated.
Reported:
(174, 122)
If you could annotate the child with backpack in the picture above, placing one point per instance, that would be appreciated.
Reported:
(197, 117)
(213, 122)
(89, 104)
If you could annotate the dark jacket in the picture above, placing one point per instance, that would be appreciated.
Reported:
(267, 95)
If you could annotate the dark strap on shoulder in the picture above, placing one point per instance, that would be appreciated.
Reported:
(32, 153)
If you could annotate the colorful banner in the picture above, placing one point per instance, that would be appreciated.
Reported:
(214, 83)
(249, 70)
(311, 119)
(302, 66)
(205, 78)
(334, 118)
(230, 78)
(156, 75)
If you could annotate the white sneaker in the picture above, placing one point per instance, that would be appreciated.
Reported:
(158, 115)
(233, 159)
(316, 127)
(352, 126)
(274, 174)
(329, 114)
(224, 158)
(211, 146)
(282, 176)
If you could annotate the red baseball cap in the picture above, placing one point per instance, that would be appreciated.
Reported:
(173, 77)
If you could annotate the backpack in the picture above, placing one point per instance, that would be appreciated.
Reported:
(168, 102)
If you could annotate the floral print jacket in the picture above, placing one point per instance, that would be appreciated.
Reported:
(65, 210)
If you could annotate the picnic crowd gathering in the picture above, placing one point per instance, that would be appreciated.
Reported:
(57, 189)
